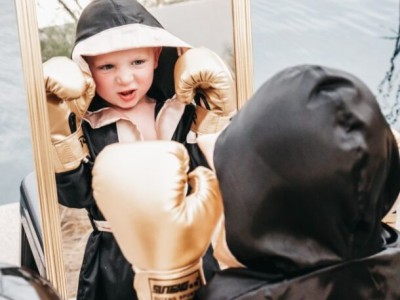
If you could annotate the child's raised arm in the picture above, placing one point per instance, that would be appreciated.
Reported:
(202, 76)
(69, 93)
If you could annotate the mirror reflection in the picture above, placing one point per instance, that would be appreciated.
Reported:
(57, 24)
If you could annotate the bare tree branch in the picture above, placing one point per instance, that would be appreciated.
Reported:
(68, 10)
(387, 84)
(78, 4)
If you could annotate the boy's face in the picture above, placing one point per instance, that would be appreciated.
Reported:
(123, 78)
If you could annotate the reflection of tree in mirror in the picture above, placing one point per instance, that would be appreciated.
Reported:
(57, 40)
(390, 85)
(74, 13)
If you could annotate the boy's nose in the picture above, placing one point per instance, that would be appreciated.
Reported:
(124, 77)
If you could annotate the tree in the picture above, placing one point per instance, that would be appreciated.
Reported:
(389, 88)
(57, 40)
(74, 13)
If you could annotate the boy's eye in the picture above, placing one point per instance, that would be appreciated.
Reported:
(138, 62)
(106, 67)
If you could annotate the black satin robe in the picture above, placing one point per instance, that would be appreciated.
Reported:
(105, 273)
(308, 169)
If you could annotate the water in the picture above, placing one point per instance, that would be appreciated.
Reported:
(16, 158)
(353, 35)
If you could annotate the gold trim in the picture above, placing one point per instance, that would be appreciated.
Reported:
(243, 50)
(36, 98)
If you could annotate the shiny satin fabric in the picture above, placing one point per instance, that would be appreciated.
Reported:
(23, 284)
(105, 273)
(308, 169)
(201, 72)
(373, 277)
(107, 26)
(68, 97)
(161, 231)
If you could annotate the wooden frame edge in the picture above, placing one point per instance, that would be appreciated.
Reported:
(243, 50)
(40, 133)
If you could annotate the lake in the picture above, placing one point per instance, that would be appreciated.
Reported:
(16, 158)
(358, 36)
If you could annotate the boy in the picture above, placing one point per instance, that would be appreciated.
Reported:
(122, 50)
(302, 206)
(315, 187)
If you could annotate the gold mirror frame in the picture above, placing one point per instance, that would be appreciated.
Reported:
(243, 50)
(36, 98)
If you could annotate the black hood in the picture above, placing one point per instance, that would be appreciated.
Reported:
(308, 169)
(113, 25)
(101, 15)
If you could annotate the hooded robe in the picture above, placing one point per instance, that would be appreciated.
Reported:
(107, 26)
(308, 169)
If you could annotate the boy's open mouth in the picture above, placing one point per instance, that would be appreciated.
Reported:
(126, 93)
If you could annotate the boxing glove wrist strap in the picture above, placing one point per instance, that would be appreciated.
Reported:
(69, 152)
(208, 121)
(168, 285)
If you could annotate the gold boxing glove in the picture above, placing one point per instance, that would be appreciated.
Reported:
(200, 71)
(141, 189)
(69, 92)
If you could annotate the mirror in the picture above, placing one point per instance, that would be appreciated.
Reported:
(36, 22)
(33, 81)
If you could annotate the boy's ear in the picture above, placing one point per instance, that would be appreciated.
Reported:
(157, 52)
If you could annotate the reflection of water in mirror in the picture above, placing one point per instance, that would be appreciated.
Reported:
(354, 35)
(16, 158)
